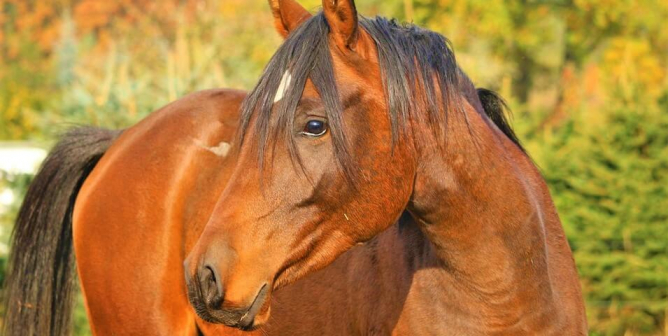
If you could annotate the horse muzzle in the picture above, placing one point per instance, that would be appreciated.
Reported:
(206, 293)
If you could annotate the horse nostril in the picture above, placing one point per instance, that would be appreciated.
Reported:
(211, 286)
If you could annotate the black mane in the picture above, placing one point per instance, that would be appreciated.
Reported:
(420, 73)
(497, 110)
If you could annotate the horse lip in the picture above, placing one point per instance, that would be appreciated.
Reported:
(203, 311)
(246, 321)
(237, 318)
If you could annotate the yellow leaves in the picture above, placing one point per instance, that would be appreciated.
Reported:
(15, 115)
(232, 8)
(602, 13)
(634, 67)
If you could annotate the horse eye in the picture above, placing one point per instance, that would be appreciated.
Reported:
(315, 128)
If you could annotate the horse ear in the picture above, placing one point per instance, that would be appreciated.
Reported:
(288, 15)
(341, 15)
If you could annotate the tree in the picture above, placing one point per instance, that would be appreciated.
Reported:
(609, 181)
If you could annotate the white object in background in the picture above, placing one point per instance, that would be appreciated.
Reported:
(18, 159)
(6, 198)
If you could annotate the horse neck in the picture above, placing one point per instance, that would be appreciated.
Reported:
(485, 209)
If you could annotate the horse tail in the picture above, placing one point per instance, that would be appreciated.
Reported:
(40, 283)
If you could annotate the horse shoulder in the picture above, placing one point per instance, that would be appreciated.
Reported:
(143, 207)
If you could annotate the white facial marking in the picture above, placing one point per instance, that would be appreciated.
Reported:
(285, 81)
(220, 150)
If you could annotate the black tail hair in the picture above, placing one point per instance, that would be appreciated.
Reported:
(41, 280)
(496, 108)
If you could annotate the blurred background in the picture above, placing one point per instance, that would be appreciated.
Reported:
(586, 79)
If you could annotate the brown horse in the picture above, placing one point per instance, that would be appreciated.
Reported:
(353, 123)
(360, 132)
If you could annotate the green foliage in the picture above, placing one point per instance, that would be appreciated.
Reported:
(587, 80)
(609, 184)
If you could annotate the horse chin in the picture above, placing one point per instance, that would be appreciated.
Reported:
(247, 319)
(232, 319)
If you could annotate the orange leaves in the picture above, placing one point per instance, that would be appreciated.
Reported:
(39, 21)
(92, 14)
